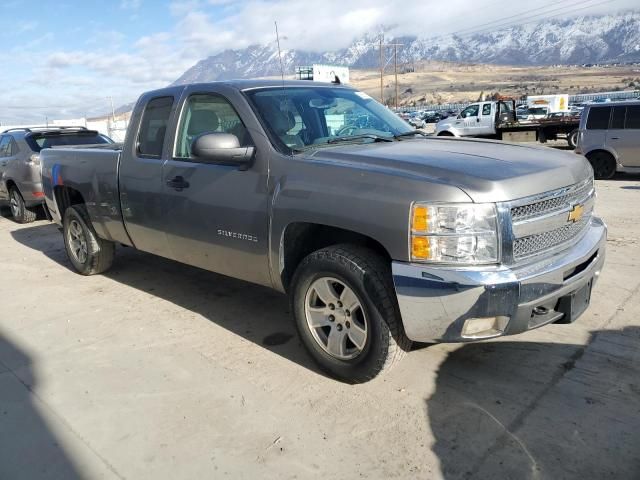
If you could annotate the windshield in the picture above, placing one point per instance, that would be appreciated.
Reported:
(47, 140)
(299, 118)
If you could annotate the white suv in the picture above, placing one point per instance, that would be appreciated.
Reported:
(609, 137)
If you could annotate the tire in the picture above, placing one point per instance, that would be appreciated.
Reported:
(603, 164)
(445, 134)
(572, 139)
(369, 292)
(88, 253)
(19, 210)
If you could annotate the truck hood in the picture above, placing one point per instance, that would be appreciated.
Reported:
(487, 171)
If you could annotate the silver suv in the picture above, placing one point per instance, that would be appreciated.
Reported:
(20, 178)
(609, 137)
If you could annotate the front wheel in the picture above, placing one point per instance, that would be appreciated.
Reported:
(346, 312)
(445, 133)
(88, 253)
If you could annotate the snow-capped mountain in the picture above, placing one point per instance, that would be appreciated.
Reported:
(582, 39)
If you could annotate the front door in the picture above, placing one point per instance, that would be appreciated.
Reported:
(470, 119)
(217, 215)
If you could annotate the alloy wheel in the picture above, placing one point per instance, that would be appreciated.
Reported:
(77, 242)
(336, 319)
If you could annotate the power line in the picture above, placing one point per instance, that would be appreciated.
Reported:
(500, 20)
(543, 16)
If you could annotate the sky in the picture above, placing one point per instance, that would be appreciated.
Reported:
(65, 59)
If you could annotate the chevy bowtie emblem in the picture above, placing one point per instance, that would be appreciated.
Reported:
(576, 213)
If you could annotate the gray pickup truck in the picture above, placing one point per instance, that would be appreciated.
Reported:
(379, 235)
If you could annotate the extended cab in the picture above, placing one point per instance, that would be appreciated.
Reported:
(379, 234)
(499, 120)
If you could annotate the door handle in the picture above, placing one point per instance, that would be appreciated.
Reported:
(477, 120)
(4, 164)
(615, 138)
(178, 183)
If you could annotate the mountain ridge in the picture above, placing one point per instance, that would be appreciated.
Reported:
(577, 40)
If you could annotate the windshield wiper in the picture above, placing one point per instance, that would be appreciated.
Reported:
(348, 138)
(410, 134)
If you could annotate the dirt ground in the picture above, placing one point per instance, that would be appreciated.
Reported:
(435, 82)
(159, 370)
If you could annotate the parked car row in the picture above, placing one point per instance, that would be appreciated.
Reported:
(20, 179)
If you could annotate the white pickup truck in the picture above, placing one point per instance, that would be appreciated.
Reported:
(497, 119)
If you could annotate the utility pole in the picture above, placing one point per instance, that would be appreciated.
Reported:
(383, 65)
(381, 70)
(395, 68)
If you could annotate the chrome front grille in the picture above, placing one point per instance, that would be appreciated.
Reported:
(559, 200)
(550, 221)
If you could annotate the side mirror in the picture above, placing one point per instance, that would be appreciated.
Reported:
(223, 149)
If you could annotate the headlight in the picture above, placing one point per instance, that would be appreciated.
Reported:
(465, 233)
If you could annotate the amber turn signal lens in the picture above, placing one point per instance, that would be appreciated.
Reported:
(420, 248)
(420, 220)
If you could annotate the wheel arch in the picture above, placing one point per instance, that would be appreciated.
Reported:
(299, 239)
(65, 197)
(603, 150)
(446, 133)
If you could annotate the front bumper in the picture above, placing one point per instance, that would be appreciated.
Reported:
(440, 303)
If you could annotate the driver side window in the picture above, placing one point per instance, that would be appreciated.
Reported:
(207, 113)
(470, 111)
(346, 117)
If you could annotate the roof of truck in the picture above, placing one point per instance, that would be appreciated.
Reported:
(247, 84)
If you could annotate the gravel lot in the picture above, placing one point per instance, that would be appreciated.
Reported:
(159, 370)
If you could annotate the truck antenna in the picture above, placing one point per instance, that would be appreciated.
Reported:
(284, 90)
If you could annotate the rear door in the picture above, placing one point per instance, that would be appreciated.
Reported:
(626, 141)
(140, 176)
(217, 215)
(5, 147)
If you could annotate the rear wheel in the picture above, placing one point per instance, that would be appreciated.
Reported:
(19, 210)
(88, 253)
(346, 312)
(603, 163)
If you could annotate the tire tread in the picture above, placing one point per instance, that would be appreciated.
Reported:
(363, 260)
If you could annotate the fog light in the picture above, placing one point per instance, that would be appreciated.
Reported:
(484, 327)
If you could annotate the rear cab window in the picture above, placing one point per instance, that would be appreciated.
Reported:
(598, 118)
(153, 127)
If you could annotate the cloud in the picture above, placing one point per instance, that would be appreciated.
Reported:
(130, 4)
(74, 82)
(22, 27)
(216, 25)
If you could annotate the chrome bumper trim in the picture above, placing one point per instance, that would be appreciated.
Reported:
(435, 301)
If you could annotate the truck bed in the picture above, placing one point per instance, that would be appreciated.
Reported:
(92, 171)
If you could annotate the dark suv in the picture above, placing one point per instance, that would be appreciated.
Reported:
(20, 178)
